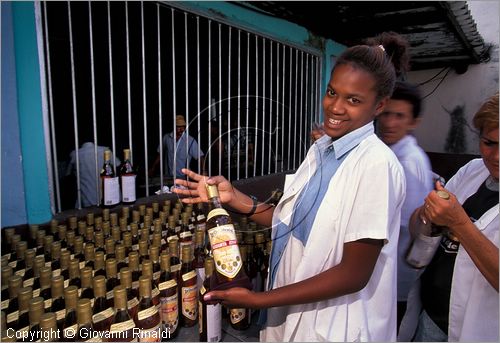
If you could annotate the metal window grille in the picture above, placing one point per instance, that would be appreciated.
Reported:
(118, 73)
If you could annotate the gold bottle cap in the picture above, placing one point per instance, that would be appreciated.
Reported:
(149, 212)
(185, 218)
(154, 253)
(99, 239)
(133, 260)
(126, 277)
(110, 246)
(115, 233)
(145, 286)
(143, 247)
(212, 191)
(259, 238)
(126, 154)
(120, 294)
(105, 214)
(70, 297)
(36, 309)
(99, 286)
(106, 228)
(120, 252)
(74, 268)
(107, 155)
(199, 236)
(126, 212)
(86, 277)
(89, 233)
(167, 202)
(99, 260)
(25, 295)
(165, 262)
(142, 209)
(15, 282)
(48, 321)
(47, 242)
(98, 222)
(82, 226)
(209, 266)
(57, 286)
(113, 219)
(136, 216)
(21, 247)
(144, 233)
(90, 218)
(127, 239)
(156, 240)
(62, 231)
(40, 238)
(9, 232)
(84, 311)
(65, 257)
(39, 263)
(73, 222)
(78, 244)
(134, 228)
(123, 224)
(53, 225)
(33, 230)
(186, 253)
(173, 247)
(14, 240)
(157, 224)
(111, 268)
(7, 272)
(147, 268)
(55, 250)
(89, 252)
(29, 256)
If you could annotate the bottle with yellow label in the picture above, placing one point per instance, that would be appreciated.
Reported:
(209, 315)
(102, 313)
(169, 300)
(122, 326)
(189, 290)
(147, 319)
(229, 270)
(70, 321)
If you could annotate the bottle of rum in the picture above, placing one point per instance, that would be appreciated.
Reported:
(209, 316)
(148, 317)
(65, 258)
(199, 256)
(86, 291)
(48, 328)
(70, 325)
(112, 279)
(84, 318)
(126, 281)
(99, 265)
(175, 261)
(110, 183)
(189, 290)
(127, 178)
(147, 270)
(122, 326)
(45, 287)
(58, 305)
(133, 264)
(23, 321)
(74, 273)
(15, 283)
(36, 309)
(240, 317)
(169, 300)
(229, 270)
(185, 235)
(102, 313)
(120, 257)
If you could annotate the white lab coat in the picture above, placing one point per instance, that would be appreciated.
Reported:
(473, 301)
(363, 200)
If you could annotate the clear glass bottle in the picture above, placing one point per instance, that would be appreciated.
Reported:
(210, 316)
(127, 178)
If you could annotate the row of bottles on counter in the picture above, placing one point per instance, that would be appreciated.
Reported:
(95, 257)
(121, 187)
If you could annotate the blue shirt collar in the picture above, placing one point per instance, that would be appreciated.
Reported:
(347, 142)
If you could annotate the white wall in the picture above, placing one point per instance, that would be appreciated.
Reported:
(468, 90)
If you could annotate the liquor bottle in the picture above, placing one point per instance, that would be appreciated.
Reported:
(19, 320)
(90, 218)
(110, 248)
(143, 250)
(116, 234)
(127, 179)
(55, 264)
(65, 258)
(111, 279)
(260, 256)
(62, 234)
(99, 264)
(228, 264)
(199, 256)
(70, 238)
(86, 291)
(169, 299)
(240, 317)
(147, 270)
(13, 254)
(33, 232)
(15, 283)
(127, 242)
(120, 257)
(47, 246)
(74, 274)
(154, 252)
(98, 224)
(29, 257)
(58, 305)
(34, 282)
(40, 237)
(89, 255)
(189, 291)
(171, 233)
(78, 254)
(102, 313)
(70, 325)
(7, 272)
(201, 219)
(175, 261)
(21, 248)
(133, 264)
(35, 311)
(89, 235)
(82, 227)
(126, 281)
(99, 242)
(48, 328)
(185, 235)
(209, 315)
(109, 183)
(147, 319)
(84, 318)
(122, 326)
(45, 286)
(424, 245)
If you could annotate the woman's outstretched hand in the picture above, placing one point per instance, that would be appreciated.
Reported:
(196, 191)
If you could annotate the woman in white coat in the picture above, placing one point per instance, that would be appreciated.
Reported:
(457, 296)
(335, 231)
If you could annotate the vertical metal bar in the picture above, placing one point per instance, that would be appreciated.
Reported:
(229, 123)
(239, 102)
(174, 100)
(210, 94)
(220, 95)
(198, 90)
(160, 102)
(283, 113)
(75, 110)
(275, 129)
(256, 126)
(51, 110)
(290, 112)
(94, 110)
(264, 100)
(247, 103)
(301, 102)
(319, 94)
(270, 109)
(144, 104)
(129, 97)
(111, 89)
(295, 101)
(186, 72)
(306, 141)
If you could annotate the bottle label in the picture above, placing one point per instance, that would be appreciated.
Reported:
(60, 314)
(155, 292)
(47, 303)
(225, 249)
(236, 315)
(185, 234)
(132, 303)
(36, 293)
(21, 272)
(29, 283)
(169, 238)
(66, 283)
(175, 268)
(123, 326)
(188, 276)
(70, 331)
(56, 272)
(13, 264)
(167, 284)
(150, 335)
(128, 188)
(214, 315)
(11, 317)
(156, 275)
(135, 284)
(109, 295)
(189, 302)
(103, 315)
(200, 276)
(201, 226)
(24, 331)
(111, 191)
(422, 250)
(149, 312)
(200, 217)
(169, 312)
(5, 303)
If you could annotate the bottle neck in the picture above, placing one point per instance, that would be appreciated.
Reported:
(215, 202)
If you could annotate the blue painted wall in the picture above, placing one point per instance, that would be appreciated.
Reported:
(25, 186)
(13, 201)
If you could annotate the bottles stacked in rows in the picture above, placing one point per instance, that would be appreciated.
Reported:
(57, 267)
(118, 188)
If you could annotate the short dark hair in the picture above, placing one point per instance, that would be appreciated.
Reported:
(410, 93)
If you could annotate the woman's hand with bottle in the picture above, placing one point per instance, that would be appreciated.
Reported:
(196, 190)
